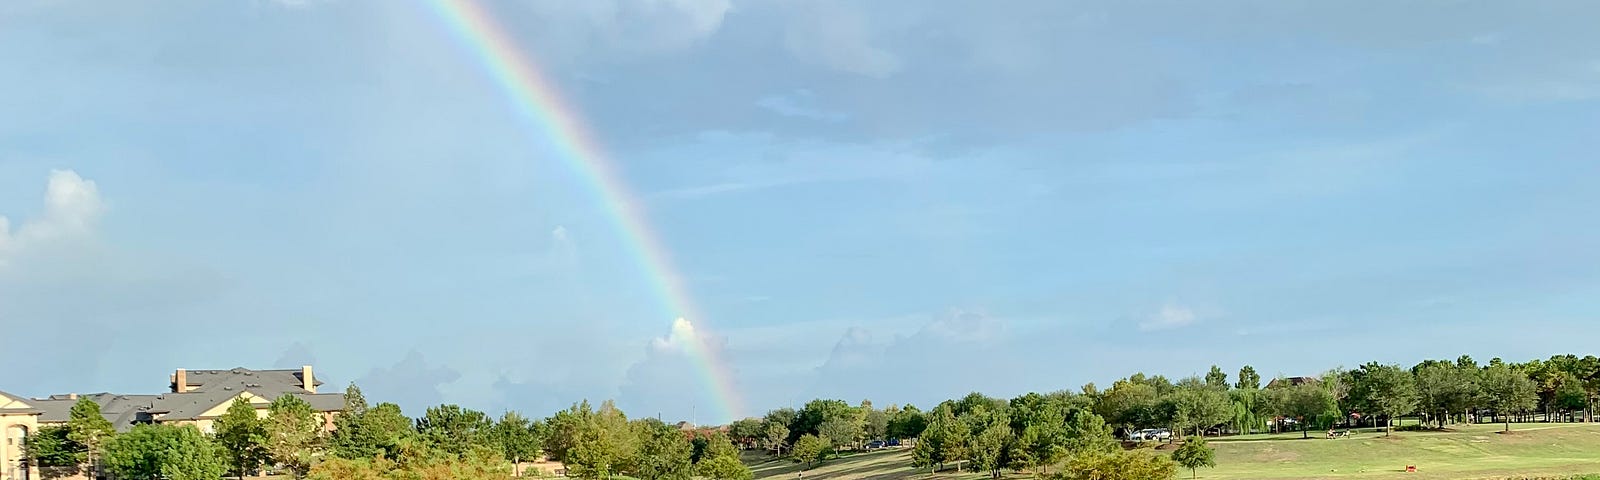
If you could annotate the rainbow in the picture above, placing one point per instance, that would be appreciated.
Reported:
(538, 102)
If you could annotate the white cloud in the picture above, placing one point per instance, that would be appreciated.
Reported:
(72, 206)
(634, 25)
(801, 104)
(1169, 317)
(839, 37)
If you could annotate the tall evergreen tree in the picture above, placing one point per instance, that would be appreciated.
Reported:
(243, 437)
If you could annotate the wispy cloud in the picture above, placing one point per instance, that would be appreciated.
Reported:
(800, 103)
(1169, 317)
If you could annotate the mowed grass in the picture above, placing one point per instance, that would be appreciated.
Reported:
(1470, 451)
(1465, 452)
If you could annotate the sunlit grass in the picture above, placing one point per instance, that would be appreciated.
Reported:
(1464, 452)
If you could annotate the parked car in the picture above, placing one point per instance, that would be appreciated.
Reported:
(1159, 434)
(893, 442)
(875, 444)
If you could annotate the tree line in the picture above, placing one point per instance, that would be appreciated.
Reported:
(447, 442)
(1078, 431)
(1061, 434)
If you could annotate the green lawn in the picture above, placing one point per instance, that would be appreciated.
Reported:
(1465, 452)
(1471, 451)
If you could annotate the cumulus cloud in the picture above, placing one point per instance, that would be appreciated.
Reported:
(412, 382)
(1168, 317)
(671, 379)
(296, 356)
(72, 206)
(650, 26)
(939, 355)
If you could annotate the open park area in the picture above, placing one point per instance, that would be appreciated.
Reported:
(1463, 452)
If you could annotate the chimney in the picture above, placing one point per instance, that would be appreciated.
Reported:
(306, 378)
(180, 381)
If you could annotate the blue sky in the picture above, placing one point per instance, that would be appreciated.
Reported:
(901, 201)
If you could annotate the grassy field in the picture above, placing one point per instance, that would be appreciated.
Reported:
(1465, 452)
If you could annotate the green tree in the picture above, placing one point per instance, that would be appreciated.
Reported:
(776, 436)
(663, 452)
(517, 438)
(1384, 390)
(1248, 379)
(908, 423)
(1217, 379)
(1444, 388)
(1119, 465)
(991, 435)
(604, 444)
(1194, 454)
(89, 429)
(1302, 402)
(565, 427)
(455, 430)
(1509, 392)
(294, 434)
(243, 437)
(748, 431)
(1087, 433)
(811, 449)
(50, 446)
(816, 412)
(875, 425)
(724, 468)
(839, 432)
(166, 452)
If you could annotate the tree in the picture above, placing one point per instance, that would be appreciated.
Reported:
(1196, 406)
(604, 444)
(747, 431)
(50, 446)
(775, 437)
(720, 460)
(815, 413)
(1120, 465)
(1443, 388)
(875, 425)
(839, 432)
(243, 437)
(167, 452)
(89, 429)
(564, 429)
(811, 449)
(663, 452)
(1194, 454)
(724, 468)
(1087, 433)
(991, 435)
(1217, 379)
(1384, 390)
(455, 430)
(1302, 402)
(293, 434)
(1509, 392)
(516, 438)
(1248, 379)
(907, 423)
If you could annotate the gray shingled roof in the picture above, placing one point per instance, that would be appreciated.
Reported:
(18, 398)
(215, 387)
(201, 379)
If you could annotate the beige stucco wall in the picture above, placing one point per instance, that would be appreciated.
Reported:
(14, 428)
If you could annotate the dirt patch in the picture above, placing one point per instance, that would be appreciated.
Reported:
(1167, 446)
